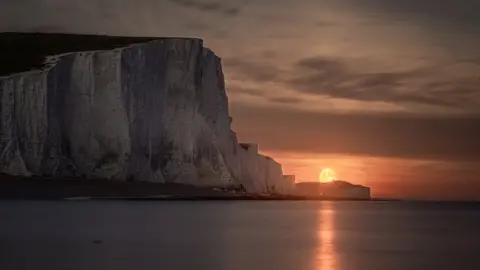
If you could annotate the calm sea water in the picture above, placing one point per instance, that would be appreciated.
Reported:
(238, 235)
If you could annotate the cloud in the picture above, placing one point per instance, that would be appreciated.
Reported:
(458, 12)
(324, 23)
(332, 77)
(208, 6)
(269, 54)
(41, 29)
(285, 100)
(453, 25)
(288, 130)
(250, 70)
(247, 91)
(195, 26)
(266, 95)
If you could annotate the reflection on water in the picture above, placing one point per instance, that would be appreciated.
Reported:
(238, 235)
(326, 258)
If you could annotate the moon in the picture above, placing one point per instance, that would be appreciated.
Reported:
(327, 175)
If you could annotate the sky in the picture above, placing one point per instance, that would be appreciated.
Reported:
(384, 92)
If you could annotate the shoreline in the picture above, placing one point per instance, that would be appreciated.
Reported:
(78, 189)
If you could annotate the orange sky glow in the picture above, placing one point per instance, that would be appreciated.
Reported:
(388, 177)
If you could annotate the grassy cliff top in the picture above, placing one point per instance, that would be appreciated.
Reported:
(21, 52)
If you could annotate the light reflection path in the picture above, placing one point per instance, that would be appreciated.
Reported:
(327, 257)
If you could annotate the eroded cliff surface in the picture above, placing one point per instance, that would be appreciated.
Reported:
(154, 111)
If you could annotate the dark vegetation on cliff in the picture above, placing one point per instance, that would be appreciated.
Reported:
(21, 52)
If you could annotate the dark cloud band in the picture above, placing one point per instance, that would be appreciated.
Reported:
(450, 138)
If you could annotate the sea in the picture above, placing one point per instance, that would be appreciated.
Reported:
(239, 235)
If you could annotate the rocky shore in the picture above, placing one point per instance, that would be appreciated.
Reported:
(40, 188)
(47, 188)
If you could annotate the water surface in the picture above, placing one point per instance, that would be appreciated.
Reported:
(100, 235)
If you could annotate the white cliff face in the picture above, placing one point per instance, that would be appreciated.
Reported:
(155, 111)
(251, 174)
(96, 123)
(287, 186)
(261, 174)
(23, 122)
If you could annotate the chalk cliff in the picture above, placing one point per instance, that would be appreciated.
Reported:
(153, 111)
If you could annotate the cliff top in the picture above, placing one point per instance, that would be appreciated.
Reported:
(21, 52)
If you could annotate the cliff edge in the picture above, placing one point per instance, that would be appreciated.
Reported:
(130, 109)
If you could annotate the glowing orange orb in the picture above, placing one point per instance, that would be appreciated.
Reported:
(327, 175)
